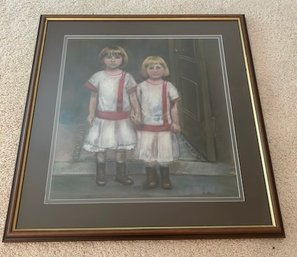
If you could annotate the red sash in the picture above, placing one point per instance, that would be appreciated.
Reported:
(120, 93)
(165, 126)
(119, 114)
(112, 115)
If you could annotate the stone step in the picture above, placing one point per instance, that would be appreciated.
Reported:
(137, 167)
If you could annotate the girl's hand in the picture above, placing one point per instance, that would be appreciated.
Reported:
(90, 119)
(175, 128)
(135, 117)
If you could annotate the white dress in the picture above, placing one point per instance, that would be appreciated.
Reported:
(111, 128)
(156, 143)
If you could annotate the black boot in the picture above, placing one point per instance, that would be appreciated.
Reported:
(100, 174)
(121, 174)
(165, 180)
(151, 178)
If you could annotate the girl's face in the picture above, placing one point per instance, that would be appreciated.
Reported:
(113, 62)
(155, 71)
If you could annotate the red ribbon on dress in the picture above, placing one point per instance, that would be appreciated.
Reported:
(165, 126)
(120, 93)
(112, 115)
(119, 114)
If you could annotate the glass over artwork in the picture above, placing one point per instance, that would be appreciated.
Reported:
(143, 118)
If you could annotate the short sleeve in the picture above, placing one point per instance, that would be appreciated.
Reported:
(93, 82)
(139, 90)
(172, 92)
(130, 84)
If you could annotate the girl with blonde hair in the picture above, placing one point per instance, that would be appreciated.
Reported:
(157, 143)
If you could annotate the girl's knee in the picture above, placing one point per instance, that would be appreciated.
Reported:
(101, 156)
(120, 156)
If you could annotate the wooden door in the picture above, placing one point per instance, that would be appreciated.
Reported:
(190, 76)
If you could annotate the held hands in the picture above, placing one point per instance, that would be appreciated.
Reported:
(175, 127)
(135, 117)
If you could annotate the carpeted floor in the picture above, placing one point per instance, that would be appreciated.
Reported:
(273, 35)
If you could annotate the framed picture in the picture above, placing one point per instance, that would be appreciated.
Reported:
(142, 127)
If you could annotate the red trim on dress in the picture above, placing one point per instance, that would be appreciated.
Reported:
(155, 128)
(164, 104)
(131, 90)
(112, 115)
(119, 114)
(120, 93)
(165, 126)
(90, 86)
(175, 100)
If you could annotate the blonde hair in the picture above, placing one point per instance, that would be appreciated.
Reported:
(152, 60)
(113, 51)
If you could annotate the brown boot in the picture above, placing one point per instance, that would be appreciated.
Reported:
(151, 178)
(100, 174)
(165, 180)
(121, 174)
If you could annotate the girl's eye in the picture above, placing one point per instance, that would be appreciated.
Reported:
(113, 57)
(154, 67)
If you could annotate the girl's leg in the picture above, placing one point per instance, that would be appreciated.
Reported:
(151, 175)
(165, 177)
(100, 170)
(121, 172)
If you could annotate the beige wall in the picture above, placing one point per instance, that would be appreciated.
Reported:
(273, 36)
